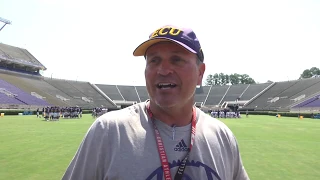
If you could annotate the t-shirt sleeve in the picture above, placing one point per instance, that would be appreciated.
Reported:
(86, 163)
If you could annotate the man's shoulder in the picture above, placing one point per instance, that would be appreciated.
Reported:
(124, 115)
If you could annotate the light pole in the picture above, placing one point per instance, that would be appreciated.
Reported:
(5, 22)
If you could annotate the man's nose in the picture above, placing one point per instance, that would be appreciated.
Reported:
(165, 68)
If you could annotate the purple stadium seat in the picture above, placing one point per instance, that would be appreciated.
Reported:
(22, 97)
(312, 102)
(315, 103)
(4, 99)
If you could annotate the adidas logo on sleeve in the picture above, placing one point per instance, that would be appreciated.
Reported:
(181, 146)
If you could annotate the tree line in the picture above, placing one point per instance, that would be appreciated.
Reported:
(226, 79)
(221, 79)
(308, 73)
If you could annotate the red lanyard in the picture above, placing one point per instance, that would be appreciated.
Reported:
(162, 152)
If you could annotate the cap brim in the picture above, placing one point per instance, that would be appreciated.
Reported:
(142, 48)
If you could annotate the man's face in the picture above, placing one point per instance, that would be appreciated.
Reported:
(172, 74)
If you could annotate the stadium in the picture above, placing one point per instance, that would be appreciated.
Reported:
(24, 88)
(279, 140)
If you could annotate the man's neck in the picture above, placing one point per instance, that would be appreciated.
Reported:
(178, 116)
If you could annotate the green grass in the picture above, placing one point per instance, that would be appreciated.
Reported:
(278, 148)
(34, 149)
(271, 148)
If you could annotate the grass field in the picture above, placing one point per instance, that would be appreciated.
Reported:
(271, 148)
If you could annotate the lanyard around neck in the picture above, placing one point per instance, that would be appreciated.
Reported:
(162, 152)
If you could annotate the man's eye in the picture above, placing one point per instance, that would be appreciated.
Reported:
(177, 59)
(153, 60)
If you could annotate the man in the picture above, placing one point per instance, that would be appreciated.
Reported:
(37, 112)
(166, 137)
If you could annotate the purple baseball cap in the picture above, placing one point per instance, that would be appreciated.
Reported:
(184, 37)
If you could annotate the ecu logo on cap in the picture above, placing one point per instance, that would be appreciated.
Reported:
(165, 31)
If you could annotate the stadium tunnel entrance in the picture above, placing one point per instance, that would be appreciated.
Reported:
(124, 104)
(233, 105)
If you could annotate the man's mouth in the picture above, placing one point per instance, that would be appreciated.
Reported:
(166, 85)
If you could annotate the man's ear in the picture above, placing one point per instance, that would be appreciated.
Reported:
(202, 69)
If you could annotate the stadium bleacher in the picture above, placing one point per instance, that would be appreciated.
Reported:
(111, 91)
(46, 91)
(201, 94)
(65, 87)
(19, 56)
(312, 102)
(20, 95)
(143, 93)
(30, 85)
(253, 90)
(235, 92)
(7, 97)
(216, 94)
(269, 96)
(129, 93)
(67, 93)
(91, 93)
(289, 96)
(81, 93)
(56, 96)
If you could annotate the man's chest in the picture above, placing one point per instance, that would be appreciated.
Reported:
(140, 159)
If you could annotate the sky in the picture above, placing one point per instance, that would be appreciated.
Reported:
(94, 40)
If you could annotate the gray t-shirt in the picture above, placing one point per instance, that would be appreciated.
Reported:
(121, 145)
